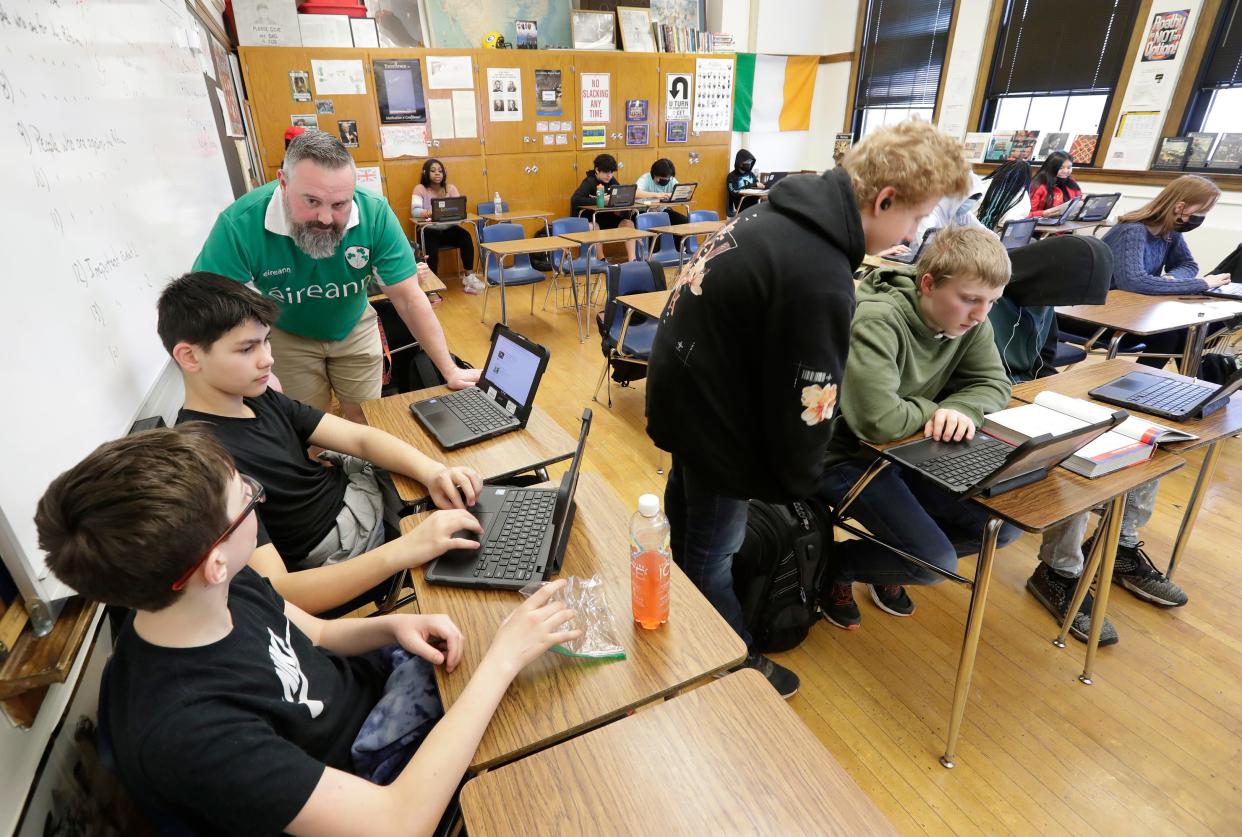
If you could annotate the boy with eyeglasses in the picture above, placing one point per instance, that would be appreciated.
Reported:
(235, 711)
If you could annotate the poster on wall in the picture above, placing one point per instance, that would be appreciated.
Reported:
(596, 104)
(677, 96)
(1165, 35)
(504, 94)
(548, 93)
(594, 136)
(713, 94)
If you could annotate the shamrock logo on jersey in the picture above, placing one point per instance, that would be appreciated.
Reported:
(357, 257)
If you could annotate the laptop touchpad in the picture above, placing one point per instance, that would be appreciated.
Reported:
(1133, 383)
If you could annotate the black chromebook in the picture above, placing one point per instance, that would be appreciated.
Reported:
(525, 532)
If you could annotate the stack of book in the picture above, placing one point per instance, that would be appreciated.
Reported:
(684, 39)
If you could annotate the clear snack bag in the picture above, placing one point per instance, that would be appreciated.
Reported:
(599, 634)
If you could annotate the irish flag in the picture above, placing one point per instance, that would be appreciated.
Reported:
(774, 92)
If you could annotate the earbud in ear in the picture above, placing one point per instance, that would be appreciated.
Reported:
(886, 203)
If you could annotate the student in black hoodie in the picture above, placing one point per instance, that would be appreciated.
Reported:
(742, 177)
(745, 365)
(582, 202)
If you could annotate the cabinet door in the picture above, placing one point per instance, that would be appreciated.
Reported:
(630, 76)
(269, 85)
(444, 144)
(521, 136)
(540, 183)
(678, 63)
(632, 163)
(401, 176)
(360, 109)
(707, 166)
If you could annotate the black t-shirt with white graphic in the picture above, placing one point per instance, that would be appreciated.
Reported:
(232, 737)
(303, 497)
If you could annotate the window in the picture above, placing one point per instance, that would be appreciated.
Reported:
(1216, 102)
(1056, 63)
(903, 45)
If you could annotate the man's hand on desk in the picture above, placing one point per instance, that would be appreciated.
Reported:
(949, 426)
(463, 378)
(433, 637)
(455, 488)
(1215, 280)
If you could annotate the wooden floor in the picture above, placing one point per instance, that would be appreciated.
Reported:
(1155, 747)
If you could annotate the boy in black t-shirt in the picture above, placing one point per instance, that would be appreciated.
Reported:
(317, 517)
(233, 710)
(603, 175)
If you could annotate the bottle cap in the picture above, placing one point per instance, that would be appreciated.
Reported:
(649, 505)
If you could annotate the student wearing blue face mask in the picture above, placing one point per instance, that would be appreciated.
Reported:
(1150, 255)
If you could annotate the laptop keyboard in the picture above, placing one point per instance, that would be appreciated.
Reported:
(512, 549)
(478, 412)
(1171, 396)
(966, 467)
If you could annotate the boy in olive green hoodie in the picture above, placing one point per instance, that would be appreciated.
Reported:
(921, 358)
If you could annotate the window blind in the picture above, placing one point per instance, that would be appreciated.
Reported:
(904, 43)
(1225, 68)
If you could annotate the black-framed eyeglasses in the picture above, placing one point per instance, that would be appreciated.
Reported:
(257, 496)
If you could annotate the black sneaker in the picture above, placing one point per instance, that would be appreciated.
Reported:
(1135, 571)
(840, 609)
(782, 679)
(892, 599)
(1054, 591)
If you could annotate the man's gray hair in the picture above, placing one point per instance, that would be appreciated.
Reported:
(319, 146)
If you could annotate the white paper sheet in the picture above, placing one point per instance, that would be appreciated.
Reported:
(334, 78)
(260, 23)
(713, 94)
(440, 113)
(325, 31)
(464, 123)
(365, 34)
(504, 94)
(403, 140)
(448, 72)
(596, 97)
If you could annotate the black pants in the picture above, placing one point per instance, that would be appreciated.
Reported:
(448, 237)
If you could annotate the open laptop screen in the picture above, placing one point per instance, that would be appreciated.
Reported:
(512, 369)
(565, 493)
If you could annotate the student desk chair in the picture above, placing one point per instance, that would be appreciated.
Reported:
(557, 697)
(1032, 508)
(1224, 424)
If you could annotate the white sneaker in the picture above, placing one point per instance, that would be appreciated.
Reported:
(472, 284)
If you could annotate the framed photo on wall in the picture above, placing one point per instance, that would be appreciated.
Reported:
(636, 32)
(594, 30)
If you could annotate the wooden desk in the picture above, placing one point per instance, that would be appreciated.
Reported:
(432, 284)
(650, 304)
(1070, 227)
(422, 223)
(592, 237)
(517, 247)
(1130, 313)
(762, 194)
(728, 758)
(540, 444)
(1223, 424)
(689, 230)
(556, 697)
(1034, 508)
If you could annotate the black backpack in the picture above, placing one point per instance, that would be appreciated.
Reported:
(776, 573)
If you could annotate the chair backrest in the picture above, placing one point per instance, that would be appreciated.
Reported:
(647, 220)
(568, 225)
(506, 232)
(630, 278)
(488, 207)
(704, 215)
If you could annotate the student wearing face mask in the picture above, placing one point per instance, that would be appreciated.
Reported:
(1053, 187)
(742, 177)
(658, 184)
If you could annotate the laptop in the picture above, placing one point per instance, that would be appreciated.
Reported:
(622, 195)
(770, 179)
(985, 466)
(501, 402)
(682, 193)
(525, 532)
(1232, 290)
(1178, 399)
(913, 255)
(1071, 209)
(1017, 233)
(1097, 207)
(448, 209)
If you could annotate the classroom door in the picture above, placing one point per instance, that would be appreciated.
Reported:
(626, 77)
(672, 88)
(543, 106)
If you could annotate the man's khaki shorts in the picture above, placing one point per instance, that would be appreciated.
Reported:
(310, 370)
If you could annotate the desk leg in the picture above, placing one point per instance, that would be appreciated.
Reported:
(587, 284)
(422, 240)
(1115, 344)
(573, 286)
(970, 642)
(504, 309)
(1196, 336)
(1206, 471)
(1104, 584)
(1084, 582)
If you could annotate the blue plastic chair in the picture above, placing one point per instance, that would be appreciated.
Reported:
(520, 274)
(575, 266)
(621, 341)
(666, 251)
(487, 208)
(692, 246)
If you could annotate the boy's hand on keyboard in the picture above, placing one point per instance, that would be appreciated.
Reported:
(947, 425)
(437, 535)
(433, 637)
(455, 488)
(1215, 280)
(463, 378)
(532, 628)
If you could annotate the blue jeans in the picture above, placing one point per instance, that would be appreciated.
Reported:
(707, 529)
(910, 513)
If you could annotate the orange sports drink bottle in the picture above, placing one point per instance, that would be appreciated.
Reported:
(650, 563)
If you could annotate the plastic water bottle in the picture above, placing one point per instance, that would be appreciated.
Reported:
(599, 196)
(496, 207)
(650, 563)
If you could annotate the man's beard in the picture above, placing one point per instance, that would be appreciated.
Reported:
(315, 239)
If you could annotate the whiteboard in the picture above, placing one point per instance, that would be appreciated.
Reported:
(114, 176)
